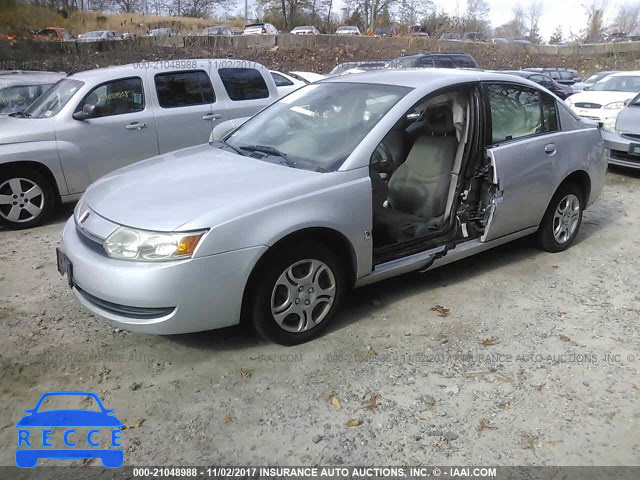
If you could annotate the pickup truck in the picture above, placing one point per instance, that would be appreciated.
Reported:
(91, 123)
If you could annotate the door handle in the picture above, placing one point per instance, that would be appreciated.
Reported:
(136, 126)
(550, 149)
(211, 116)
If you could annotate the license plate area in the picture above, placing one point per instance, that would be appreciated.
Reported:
(634, 149)
(65, 267)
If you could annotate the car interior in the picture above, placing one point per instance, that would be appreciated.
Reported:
(415, 169)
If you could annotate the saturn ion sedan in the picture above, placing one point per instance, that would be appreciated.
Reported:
(342, 183)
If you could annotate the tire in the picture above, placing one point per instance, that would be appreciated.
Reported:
(289, 306)
(26, 198)
(562, 219)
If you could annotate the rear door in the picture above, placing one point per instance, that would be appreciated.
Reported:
(246, 88)
(183, 104)
(523, 146)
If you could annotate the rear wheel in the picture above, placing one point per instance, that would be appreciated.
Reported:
(562, 219)
(26, 198)
(296, 293)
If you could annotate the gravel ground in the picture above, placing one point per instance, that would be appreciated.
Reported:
(512, 357)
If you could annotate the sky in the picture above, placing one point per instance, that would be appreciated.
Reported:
(568, 13)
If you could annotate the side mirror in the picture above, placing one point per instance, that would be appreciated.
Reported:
(88, 111)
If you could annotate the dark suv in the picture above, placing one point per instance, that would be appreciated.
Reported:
(564, 76)
(434, 60)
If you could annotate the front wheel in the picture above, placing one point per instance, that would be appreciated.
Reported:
(297, 293)
(26, 198)
(562, 219)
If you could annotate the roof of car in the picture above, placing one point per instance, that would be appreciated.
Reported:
(136, 69)
(630, 73)
(30, 78)
(420, 77)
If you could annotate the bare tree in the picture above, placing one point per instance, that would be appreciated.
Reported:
(514, 28)
(411, 12)
(533, 13)
(627, 18)
(596, 11)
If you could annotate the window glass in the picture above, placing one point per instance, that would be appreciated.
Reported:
(243, 83)
(549, 114)
(515, 112)
(444, 62)
(183, 89)
(425, 62)
(115, 98)
(280, 80)
(52, 101)
(566, 75)
(17, 98)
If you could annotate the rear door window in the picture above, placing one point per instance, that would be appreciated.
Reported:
(443, 61)
(183, 89)
(281, 81)
(243, 83)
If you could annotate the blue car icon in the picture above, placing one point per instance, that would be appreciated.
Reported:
(33, 447)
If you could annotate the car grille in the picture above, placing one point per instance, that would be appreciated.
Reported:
(631, 136)
(625, 156)
(587, 105)
(90, 243)
(597, 119)
(141, 313)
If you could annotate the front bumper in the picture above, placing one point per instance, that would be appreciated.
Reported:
(618, 150)
(201, 293)
(597, 114)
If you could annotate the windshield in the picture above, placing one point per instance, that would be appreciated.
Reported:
(17, 98)
(318, 126)
(54, 99)
(635, 102)
(618, 84)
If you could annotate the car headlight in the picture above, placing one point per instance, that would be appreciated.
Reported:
(609, 125)
(143, 245)
(568, 101)
(614, 105)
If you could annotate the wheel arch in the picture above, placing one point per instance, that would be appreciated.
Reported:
(41, 168)
(333, 239)
(582, 180)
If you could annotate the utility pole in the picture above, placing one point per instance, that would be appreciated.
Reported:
(246, 11)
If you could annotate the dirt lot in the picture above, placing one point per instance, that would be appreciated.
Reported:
(498, 359)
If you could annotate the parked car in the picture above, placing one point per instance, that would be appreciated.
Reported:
(589, 82)
(348, 30)
(21, 89)
(364, 65)
(53, 34)
(219, 30)
(564, 76)
(307, 77)
(163, 32)
(562, 91)
(305, 30)
(499, 41)
(10, 38)
(622, 136)
(452, 37)
(619, 37)
(93, 122)
(260, 29)
(286, 83)
(604, 100)
(434, 60)
(521, 41)
(379, 174)
(385, 32)
(474, 37)
(99, 36)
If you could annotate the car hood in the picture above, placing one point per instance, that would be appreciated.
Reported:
(197, 187)
(20, 130)
(602, 98)
(629, 120)
(69, 418)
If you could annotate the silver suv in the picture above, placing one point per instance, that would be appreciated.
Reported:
(93, 122)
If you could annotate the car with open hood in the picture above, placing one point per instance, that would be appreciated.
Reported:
(342, 183)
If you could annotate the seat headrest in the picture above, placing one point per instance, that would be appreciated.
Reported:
(439, 121)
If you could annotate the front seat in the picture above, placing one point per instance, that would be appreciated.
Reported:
(418, 188)
(420, 185)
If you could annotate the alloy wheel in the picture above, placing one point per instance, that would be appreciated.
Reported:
(21, 200)
(566, 218)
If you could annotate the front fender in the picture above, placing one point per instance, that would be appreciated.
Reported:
(43, 152)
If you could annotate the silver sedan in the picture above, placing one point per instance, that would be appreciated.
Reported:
(342, 183)
(622, 136)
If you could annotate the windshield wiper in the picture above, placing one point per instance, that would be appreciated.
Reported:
(269, 151)
(20, 114)
(220, 143)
